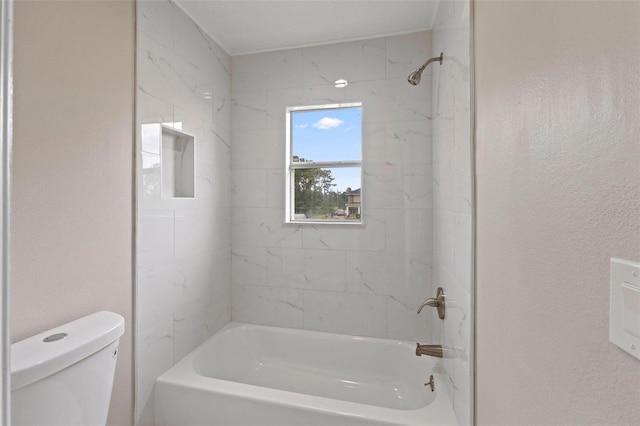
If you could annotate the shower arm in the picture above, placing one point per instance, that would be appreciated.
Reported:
(429, 62)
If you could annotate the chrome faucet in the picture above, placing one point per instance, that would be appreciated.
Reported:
(429, 350)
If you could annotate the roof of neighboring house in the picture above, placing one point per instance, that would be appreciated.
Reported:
(354, 192)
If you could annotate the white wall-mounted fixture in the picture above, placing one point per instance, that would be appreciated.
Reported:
(340, 83)
(624, 314)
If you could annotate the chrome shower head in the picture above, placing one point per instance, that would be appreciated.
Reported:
(414, 77)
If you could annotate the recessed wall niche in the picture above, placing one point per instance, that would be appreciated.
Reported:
(177, 153)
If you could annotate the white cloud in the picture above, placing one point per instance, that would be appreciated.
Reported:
(327, 123)
(301, 126)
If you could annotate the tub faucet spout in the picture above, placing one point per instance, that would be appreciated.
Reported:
(429, 350)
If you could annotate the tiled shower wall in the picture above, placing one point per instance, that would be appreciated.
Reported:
(452, 197)
(183, 245)
(364, 280)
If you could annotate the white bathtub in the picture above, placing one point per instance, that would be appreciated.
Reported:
(257, 375)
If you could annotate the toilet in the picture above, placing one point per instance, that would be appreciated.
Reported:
(64, 376)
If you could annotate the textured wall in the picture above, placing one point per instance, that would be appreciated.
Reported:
(363, 280)
(452, 197)
(558, 149)
(73, 171)
(183, 245)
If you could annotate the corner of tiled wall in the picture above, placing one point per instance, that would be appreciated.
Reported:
(452, 198)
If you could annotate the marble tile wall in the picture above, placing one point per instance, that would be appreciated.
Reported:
(183, 292)
(452, 198)
(363, 280)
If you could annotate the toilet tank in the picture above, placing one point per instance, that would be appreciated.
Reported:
(64, 376)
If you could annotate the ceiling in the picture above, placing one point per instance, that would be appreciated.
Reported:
(243, 26)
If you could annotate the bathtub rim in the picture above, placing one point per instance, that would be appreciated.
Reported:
(183, 374)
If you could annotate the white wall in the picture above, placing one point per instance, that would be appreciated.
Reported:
(72, 206)
(364, 280)
(6, 111)
(452, 198)
(183, 245)
(558, 101)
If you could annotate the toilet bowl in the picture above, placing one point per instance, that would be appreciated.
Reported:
(64, 376)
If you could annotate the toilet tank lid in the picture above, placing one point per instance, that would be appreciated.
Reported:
(33, 359)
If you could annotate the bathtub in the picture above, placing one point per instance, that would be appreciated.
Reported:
(258, 375)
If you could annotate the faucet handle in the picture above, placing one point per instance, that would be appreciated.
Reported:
(429, 302)
(438, 302)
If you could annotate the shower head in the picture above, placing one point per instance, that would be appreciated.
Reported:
(414, 77)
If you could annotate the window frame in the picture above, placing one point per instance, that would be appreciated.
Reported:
(291, 167)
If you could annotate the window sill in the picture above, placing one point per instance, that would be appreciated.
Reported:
(325, 222)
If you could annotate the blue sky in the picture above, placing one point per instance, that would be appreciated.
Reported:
(330, 135)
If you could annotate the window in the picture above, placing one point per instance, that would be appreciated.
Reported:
(324, 164)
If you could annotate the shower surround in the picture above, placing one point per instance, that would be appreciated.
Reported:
(183, 292)
(227, 253)
(357, 279)
(453, 198)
